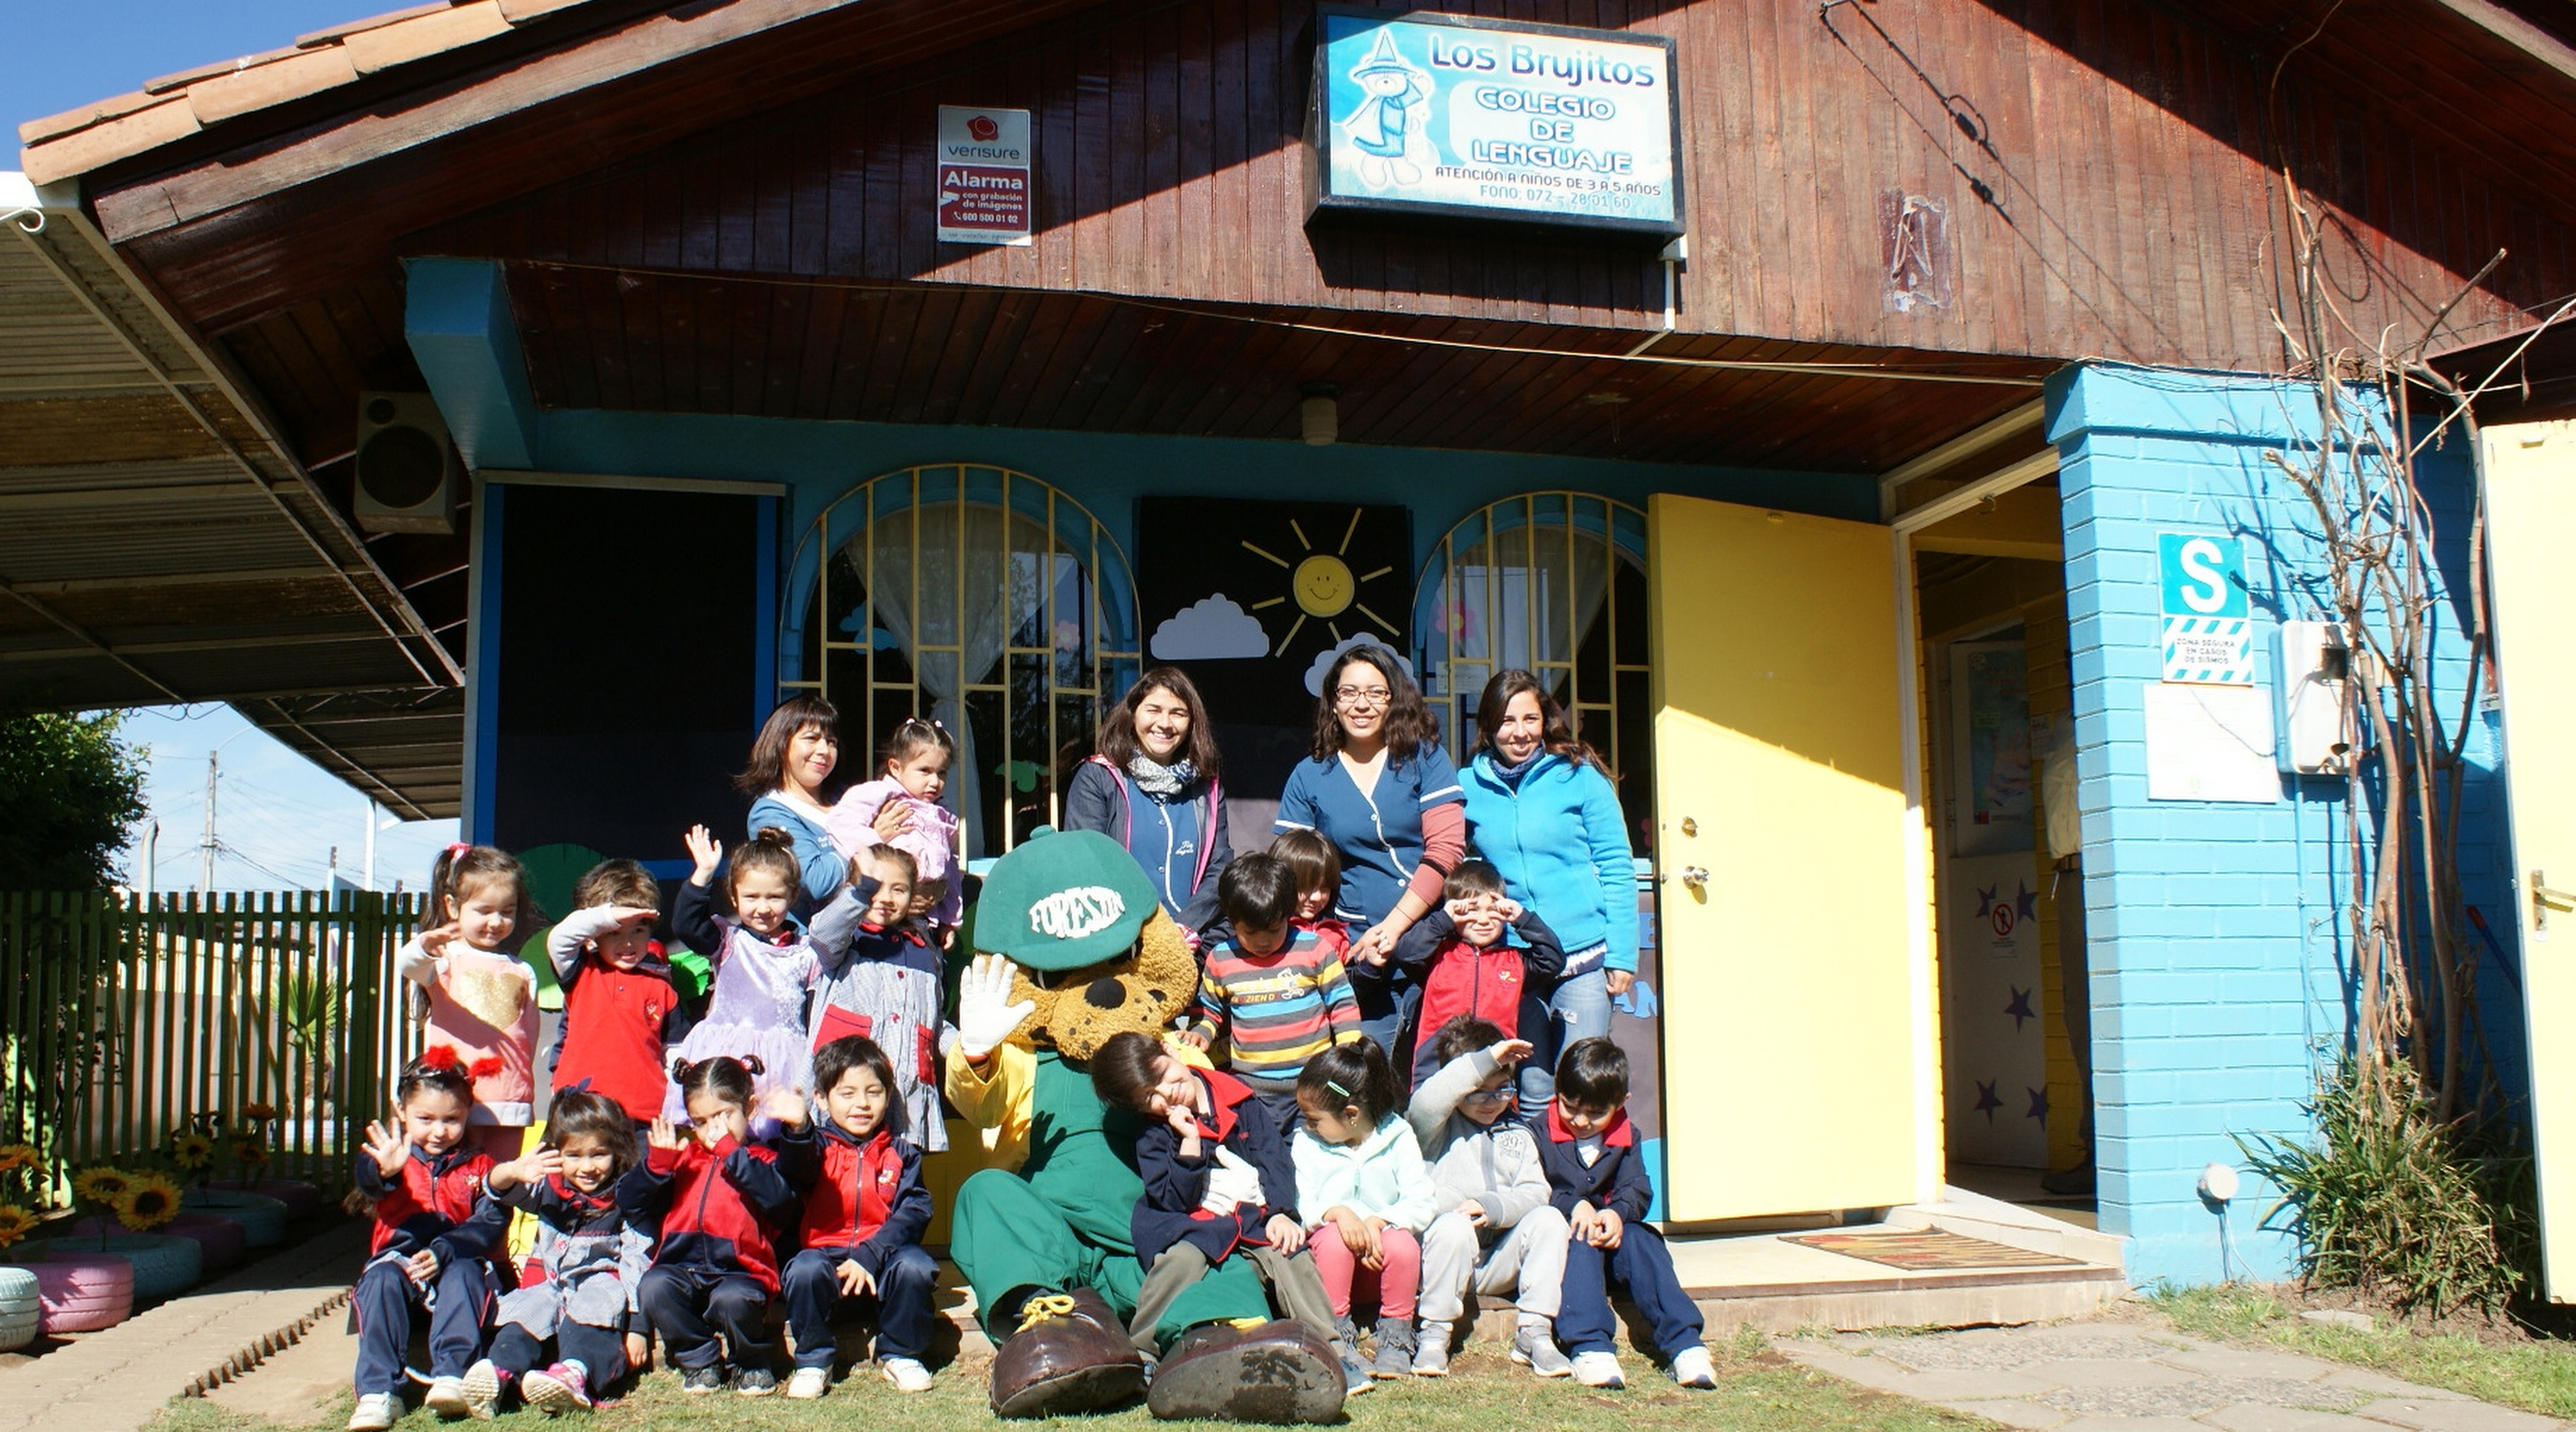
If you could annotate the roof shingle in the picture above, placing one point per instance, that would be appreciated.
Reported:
(177, 105)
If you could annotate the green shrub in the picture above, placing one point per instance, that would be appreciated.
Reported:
(2391, 1201)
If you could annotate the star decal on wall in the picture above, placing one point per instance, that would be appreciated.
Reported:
(1986, 899)
(2038, 1104)
(2020, 1008)
(1987, 1101)
(2025, 904)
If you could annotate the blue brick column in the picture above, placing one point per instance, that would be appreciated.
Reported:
(2215, 929)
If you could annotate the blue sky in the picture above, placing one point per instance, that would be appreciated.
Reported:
(54, 55)
(277, 815)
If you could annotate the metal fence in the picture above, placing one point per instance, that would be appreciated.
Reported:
(124, 1016)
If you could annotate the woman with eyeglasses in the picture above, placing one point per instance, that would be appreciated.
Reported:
(1541, 808)
(1381, 789)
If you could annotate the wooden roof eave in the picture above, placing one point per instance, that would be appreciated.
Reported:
(248, 221)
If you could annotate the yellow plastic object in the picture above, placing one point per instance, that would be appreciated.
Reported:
(1792, 970)
(2531, 507)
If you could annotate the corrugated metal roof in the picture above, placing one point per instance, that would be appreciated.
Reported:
(158, 543)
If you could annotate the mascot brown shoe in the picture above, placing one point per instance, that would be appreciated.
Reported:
(1281, 1372)
(1070, 1355)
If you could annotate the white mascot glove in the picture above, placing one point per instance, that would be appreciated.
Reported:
(1232, 1182)
(985, 1014)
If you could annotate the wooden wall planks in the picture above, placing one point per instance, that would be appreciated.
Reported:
(2127, 206)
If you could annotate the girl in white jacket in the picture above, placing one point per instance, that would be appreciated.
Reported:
(1363, 1193)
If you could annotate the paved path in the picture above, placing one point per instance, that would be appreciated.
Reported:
(114, 1381)
(2143, 1377)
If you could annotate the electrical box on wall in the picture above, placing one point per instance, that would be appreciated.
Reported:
(2316, 721)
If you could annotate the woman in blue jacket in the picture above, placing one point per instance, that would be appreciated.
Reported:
(1381, 789)
(1151, 785)
(1541, 808)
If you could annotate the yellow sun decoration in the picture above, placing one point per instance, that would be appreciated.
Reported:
(1321, 584)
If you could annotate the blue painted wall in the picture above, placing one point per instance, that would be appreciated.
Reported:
(2218, 951)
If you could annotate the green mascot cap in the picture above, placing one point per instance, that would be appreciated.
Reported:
(1062, 900)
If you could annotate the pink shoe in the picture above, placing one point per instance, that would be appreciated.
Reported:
(559, 1389)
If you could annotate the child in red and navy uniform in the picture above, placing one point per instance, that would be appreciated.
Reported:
(865, 1211)
(436, 1229)
(717, 1198)
(1466, 969)
(1218, 1182)
(620, 1010)
(1596, 1177)
(1317, 868)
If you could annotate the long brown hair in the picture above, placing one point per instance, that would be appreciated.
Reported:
(767, 769)
(1555, 733)
(1118, 729)
(1410, 725)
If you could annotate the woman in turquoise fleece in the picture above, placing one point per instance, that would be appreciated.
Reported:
(1540, 807)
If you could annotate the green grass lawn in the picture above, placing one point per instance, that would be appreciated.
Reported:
(1757, 1392)
(2535, 1374)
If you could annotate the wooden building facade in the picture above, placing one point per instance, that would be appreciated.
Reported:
(1970, 295)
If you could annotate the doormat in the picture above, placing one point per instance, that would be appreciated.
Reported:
(1930, 1249)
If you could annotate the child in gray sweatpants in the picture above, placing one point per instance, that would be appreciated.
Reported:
(1496, 1231)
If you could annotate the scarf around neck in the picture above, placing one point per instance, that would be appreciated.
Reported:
(1156, 779)
(1512, 774)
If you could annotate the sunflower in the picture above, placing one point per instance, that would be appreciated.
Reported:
(250, 1152)
(14, 1157)
(148, 1202)
(101, 1184)
(15, 1223)
(259, 1113)
(191, 1150)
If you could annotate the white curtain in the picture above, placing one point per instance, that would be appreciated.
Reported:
(964, 600)
(1532, 595)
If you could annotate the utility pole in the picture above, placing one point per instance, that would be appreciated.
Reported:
(151, 854)
(206, 846)
(368, 869)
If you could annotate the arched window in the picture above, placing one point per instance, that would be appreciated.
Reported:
(1553, 583)
(981, 598)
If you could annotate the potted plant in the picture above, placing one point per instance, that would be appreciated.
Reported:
(261, 1215)
(21, 1310)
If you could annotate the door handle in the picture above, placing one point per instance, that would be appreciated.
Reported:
(1695, 877)
(2543, 900)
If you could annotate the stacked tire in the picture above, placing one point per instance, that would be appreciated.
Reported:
(21, 1311)
(163, 1264)
(218, 1240)
(263, 1219)
(302, 1199)
(82, 1292)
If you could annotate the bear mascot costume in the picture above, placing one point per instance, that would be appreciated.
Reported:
(1072, 948)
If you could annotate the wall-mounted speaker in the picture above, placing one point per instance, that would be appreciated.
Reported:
(409, 475)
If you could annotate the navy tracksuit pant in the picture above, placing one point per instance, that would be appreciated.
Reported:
(1644, 1266)
(690, 1306)
(903, 1303)
(385, 1300)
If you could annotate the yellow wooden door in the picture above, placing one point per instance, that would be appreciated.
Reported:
(1788, 862)
(2531, 507)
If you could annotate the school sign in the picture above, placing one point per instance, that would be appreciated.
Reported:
(1449, 115)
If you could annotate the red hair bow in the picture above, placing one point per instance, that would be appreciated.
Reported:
(443, 1056)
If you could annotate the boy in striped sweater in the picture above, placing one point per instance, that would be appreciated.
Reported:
(1270, 997)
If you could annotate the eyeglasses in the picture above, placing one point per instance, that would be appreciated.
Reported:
(1486, 1096)
(1362, 698)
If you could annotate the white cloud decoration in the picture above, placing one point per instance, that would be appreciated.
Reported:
(1324, 659)
(1211, 629)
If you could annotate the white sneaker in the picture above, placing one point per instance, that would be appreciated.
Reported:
(1599, 1369)
(376, 1412)
(809, 1383)
(482, 1390)
(1691, 1368)
(446, 1397)
(907, 1374)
